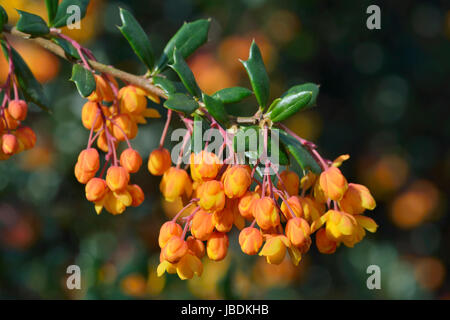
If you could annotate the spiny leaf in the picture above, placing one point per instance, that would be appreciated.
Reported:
(181, 102)
(216, 109)
(184, 72)
(84, 80)
(64, 11)
(137, 38)
(188, 38)
(258, 75)
(232, 95)
(31, 24)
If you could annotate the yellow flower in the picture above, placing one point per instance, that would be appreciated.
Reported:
(175, 183)
(204, 166)
(212, 196)
(333, 183)
(275, 249)
(290, 181)
(356, 199)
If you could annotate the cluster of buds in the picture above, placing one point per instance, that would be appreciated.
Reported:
(112, 116)
(275, 215)
(14, 137)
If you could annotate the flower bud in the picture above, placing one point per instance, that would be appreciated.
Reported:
(175, 183)
(325, 245)
(298, 232)
(26, 138)
(196, 246)
(91, 116)
(124, 127)
(250, 240)
(11, 123)
(202, 225)
(103, 91)
(312, 210)
(290, 181)
(18, 109)
(131, 160)
(275, 249)
(217, 246)
(333, 183)
(10, 144)
(237, 180)
(223, 219)
(167, 231)
(295, 205)
(247, 204)
(356, 199)
(159, 161)
(212, 197)
(204, 166)
(89, 160)
(96, 189)
(117, 178)
(132, 100)
(83, 176)
(137, 195)
(175, 249)
(266, 213)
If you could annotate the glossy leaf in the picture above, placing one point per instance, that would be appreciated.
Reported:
(84, 80)
(299, 152)
(165, 84)
(31, 24)
(30, 87)
(188, 38)
(68, 48)
(52, 7)
(232, 95)
(185, 74)
(258, 75)
(63, 12)
(314, 88)
(216, 109)
(3, 18)
(181, 102)
(137, 38)
(289, 105)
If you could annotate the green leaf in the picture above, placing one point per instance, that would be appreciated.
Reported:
(137, 38)
(30, 87)
(258, 75)
(299, 152)
(165, 84)
(31, 24)
(84, 80)
(232, 95)
(216, 109)
(3, 18)
(68, 48)
(273, 104)
(290, 104)
(185, 74)
(63, 14)
(181, 102)
(188, 38)
(52, 7)
(314, 88)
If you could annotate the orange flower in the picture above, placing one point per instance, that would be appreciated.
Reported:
(137, 195)
(275, 249)
(237, 180)
(312, 210)
(247, 204)
(217, 246)
(18, 109)
(202, 225)
(357, 199)
(103, 91)
(83, 176)
(339, 225)
(291, 181)
(188, 266)
(114, 202)
(175, 249)
(308, 180)
(295, 205)
(123, 126)
(266, 213)
(196, 246)
(204, 166)
(96, 189)
(117, 178)
(175, 183)
(159, 161)
(90, 113)
(132, 100)
(9, 144)
(131, 160)
(11, 123)
(89, 160)
(167, 231)
(212, 196)
(323, 243)
(298, 231)
(223, 219)
(26, 138)
(250, 240)
(333, 183)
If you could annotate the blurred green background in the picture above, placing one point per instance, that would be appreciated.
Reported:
(383, 99)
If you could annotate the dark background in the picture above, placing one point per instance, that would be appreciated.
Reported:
(383, 99)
